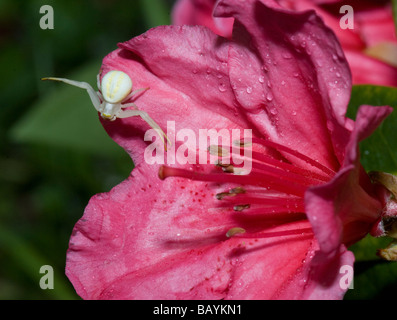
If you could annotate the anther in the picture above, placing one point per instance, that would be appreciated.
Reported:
(233, 231)
(242, 144)
(218, 151)
(228, 169)
(241, 207)
(231, 193)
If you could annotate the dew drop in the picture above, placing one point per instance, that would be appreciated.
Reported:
(261, 79)
(222, 87)
(249, 90)
(269, 96)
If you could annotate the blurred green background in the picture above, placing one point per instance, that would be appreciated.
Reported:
(55, 155)
(49, 172)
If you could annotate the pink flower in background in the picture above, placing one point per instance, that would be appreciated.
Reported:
(205, 231)
(370, 48)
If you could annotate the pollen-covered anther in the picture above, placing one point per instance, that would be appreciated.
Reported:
(241, 207)
(242, 144)
(218, 151)
(231, 193)
(233, 231)
(237, 190)
(226, 167)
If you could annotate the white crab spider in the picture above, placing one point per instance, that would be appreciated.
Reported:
(116, 88)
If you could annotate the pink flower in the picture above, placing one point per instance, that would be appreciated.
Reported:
(204, 231)
(370, 48)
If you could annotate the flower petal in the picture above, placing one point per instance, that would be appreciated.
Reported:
(199, 12)
(289, 74)
(349, 38)
(342, 211)
(320, 277)
(152, 239)
(367, 70)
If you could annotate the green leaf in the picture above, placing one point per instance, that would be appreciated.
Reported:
(66, 118)
(373, 278)
(156, 13)
(29, 261)
(379, 151)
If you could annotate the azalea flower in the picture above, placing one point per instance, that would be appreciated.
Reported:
(370, 47)
(210, 231)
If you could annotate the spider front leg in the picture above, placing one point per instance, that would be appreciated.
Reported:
(133, 93)
(84, 85)
(145, 117)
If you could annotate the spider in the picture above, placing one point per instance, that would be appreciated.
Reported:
(115, 90)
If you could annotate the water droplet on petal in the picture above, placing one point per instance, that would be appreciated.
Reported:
(249, 89)
(261, 79)
(269, 96)
(222, 87)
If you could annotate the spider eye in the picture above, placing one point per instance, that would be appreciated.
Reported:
(115, 86)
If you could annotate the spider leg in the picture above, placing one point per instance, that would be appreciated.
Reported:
(149, 121)
(129, 105)
(84, 85)
(133, 93)
(98, 82)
